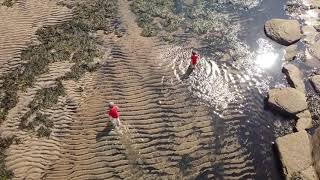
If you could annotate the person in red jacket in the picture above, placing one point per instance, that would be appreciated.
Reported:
(194, 59)
(114, 115)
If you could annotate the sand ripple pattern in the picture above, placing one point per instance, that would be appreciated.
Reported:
(32, 156)
(166, 134)
(235, 92)
(18, 25)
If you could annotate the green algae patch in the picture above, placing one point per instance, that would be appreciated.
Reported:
(8, 3)
(4, 144)
(68, 41)
(71, 41)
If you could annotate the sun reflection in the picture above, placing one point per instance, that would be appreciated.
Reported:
(266, 60)
(266, 55)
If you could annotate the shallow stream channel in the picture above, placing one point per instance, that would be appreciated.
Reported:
(238, 66)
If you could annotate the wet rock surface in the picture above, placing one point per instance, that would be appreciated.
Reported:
(285, 32)
(288, 101)
(291, 52)
(294, 76)
(295, 154)
(315, 81)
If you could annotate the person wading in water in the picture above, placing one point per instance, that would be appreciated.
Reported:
(114, 115)
(194, 61)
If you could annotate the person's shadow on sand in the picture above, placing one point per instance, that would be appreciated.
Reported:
(187, 73)
(104, 132)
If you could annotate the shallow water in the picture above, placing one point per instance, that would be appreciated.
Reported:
(235, 88)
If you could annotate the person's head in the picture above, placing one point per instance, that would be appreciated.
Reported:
(111, 104)
(194, 53)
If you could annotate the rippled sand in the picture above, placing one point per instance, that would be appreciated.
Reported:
(170, 131)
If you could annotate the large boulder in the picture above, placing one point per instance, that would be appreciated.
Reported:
(283, 31)
(294, 76)
(288, 101)
(295, 154)
(316, 150)
(291, 52)
(315, 81)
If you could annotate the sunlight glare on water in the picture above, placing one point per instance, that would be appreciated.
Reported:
(267, 55)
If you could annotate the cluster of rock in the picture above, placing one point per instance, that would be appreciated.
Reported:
(296, 150)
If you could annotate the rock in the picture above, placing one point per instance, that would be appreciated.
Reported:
(283, 31)
(288, 101)
(291, 52)
(316, 150)
(294, 76)
(304, 114)
(315, 4)
(295, 153)
(100, 32)
(317, 27)
(226, 57)
(304, 123)
(314, 50)
(309, 174)
(315, 81)
(310, 33)
(188, 2)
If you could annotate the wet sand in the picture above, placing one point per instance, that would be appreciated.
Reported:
(167, 133)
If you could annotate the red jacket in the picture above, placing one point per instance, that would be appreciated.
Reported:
(194, 59)
(113, 112)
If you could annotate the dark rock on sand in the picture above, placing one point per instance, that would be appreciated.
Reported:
(288, 101)
(295, 77)
(295, 154)
(291, 52)
(315, 81)
(283, 31)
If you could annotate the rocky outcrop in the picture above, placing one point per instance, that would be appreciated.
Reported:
(288, 101)
(294, 76)
(316, 150)
(315, 81)
(283, 31)
(295, 154)
(291, 52)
